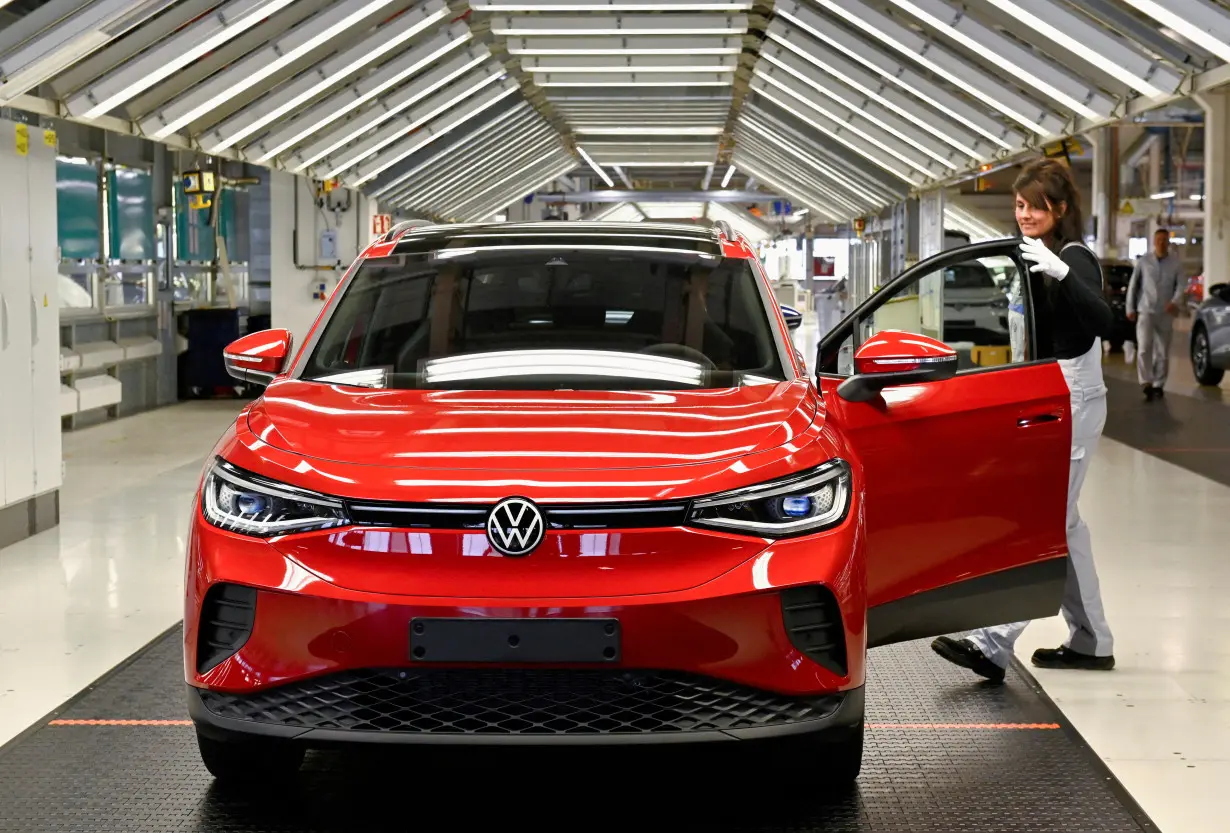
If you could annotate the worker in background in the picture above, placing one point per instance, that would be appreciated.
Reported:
(1153, 297)
(1072, 316)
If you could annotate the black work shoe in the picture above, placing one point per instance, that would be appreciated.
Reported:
(1067, 658)
(1149, 392)
(964, 653)
(1159, 392)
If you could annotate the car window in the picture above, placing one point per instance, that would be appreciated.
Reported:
(977, 306)
(551, 320)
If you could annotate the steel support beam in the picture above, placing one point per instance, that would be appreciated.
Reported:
(1011, 60)
(894, 74)
(76, 29)
(632, 195)
(978, 83)
(172, 54)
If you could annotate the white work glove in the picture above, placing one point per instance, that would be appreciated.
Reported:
(1044, 260)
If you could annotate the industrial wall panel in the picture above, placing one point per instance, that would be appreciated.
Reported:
(45, 317)
(196, 236)
(130, 213)
(15, 321)
(77, 222)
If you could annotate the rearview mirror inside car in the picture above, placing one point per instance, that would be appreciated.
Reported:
(258, 357)
(891, 358)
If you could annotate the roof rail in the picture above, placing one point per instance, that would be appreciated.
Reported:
(724, 229)
(403, 227)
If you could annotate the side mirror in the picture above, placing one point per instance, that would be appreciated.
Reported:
(794, 318)
(891, 358)
(258, 357)
(1220, 290)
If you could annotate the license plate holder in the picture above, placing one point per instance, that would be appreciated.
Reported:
(475, 640)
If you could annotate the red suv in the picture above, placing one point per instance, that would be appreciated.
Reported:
(567, 483)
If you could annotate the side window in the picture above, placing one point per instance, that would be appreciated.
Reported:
(977, 305)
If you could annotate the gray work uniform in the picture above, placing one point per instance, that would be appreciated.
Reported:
(1088, 630)
(1155, 283)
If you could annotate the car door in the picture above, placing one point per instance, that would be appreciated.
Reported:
(965, 479)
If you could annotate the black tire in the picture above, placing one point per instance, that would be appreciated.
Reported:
(254, 761)
(844, 757)
(1202, 359)
(831, 759)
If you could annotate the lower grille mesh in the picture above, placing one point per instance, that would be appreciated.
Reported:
(517, 702)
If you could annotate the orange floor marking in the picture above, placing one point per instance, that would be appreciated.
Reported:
(963, 726)
(120, 723)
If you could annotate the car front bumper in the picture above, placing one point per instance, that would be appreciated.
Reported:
(772, 647)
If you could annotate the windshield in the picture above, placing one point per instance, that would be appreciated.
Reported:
(551, 320)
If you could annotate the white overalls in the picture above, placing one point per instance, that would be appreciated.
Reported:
(1089, 632)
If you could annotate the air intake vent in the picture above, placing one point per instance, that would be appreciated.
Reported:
(226, 623)
(813, 620)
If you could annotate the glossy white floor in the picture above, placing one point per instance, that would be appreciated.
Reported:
(76, 600)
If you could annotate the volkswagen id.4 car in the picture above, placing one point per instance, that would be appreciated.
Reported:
(573, 483)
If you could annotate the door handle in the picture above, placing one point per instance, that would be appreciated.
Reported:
(34, 319)
(4, 322)
(1036, 419)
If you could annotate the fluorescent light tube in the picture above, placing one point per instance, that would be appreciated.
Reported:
(166, 68)
(253, 76)
(1077, 47)
(1020, 72)
(597, 168)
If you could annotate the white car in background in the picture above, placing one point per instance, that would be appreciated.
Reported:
(975, 306)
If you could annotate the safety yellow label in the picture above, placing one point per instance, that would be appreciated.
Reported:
(49, 138)
(23, 140)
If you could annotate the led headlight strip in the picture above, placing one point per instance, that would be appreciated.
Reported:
(242, 502)
(795, 505)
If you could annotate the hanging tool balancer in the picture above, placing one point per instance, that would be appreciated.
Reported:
(199, 186)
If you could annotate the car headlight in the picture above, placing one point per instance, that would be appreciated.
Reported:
(795, 505)
(242, 502)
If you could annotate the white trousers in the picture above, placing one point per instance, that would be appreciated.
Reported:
(1153, 334)
(1088, 631)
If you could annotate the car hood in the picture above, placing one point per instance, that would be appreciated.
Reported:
(529, 430)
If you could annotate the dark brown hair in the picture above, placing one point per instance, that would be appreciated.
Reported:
(1047, 185)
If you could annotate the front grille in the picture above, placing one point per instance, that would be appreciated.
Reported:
(227, 614)
(518, 702)
(813, 620)
(474, 516)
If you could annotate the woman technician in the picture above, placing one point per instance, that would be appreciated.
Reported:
(1072, 315)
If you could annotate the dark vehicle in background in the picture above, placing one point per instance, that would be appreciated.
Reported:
(1116, 275)
(1210, 341)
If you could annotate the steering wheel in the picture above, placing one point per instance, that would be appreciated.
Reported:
(679, 351)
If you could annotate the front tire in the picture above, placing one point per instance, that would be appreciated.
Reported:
(255, 761)
(1202, 359)
(844, 757)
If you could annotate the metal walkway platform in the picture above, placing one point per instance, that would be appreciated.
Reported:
(944, 752)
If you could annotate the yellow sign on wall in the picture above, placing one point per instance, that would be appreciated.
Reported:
(49, 138)
(23, 140)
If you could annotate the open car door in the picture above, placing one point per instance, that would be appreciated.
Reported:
(963, 434)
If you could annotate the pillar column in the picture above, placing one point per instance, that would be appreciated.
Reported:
(1104, 207)
(1216, 106)
(930, 223)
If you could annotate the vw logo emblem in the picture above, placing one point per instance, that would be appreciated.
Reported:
(515, 526)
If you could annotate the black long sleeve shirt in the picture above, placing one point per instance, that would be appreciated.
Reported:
(1072, 312)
